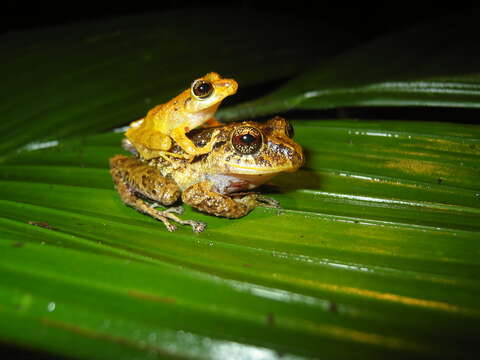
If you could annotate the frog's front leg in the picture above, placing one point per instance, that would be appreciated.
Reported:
(203, 197)
(132, 177)
(179, 136)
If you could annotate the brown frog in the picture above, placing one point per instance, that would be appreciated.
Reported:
(244, 155)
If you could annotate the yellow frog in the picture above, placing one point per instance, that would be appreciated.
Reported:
(152, 136)
(242, 157)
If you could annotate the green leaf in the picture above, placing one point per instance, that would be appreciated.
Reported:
(374, 255)
(91, 77)
(429, 65)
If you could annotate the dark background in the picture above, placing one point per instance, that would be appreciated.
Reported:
(363, 18)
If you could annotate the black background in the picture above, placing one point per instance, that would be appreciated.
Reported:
(363, 18)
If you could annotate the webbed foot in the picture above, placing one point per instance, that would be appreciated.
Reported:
(197, 226)
(167, 215)
(267, 202)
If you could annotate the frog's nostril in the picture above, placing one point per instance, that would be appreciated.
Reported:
(227, 83)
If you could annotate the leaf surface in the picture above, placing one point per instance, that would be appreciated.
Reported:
(86, 78)
(374, 254)
(369, 243)
(429, 65)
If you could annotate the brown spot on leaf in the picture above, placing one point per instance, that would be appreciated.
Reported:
(42, 224)
(92, 334)
(271, 319)
(333, 307)
(151, 297)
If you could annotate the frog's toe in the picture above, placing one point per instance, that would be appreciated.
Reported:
(267, 202)
(170, 227)
(175, 210)
(197, 226)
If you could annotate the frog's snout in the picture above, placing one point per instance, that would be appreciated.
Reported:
(228, 85)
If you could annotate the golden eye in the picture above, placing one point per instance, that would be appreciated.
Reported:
(201, 89)
(247, 140)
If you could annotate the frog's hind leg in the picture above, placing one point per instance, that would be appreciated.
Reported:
(197, 226)
(130, 199)
(132, 177)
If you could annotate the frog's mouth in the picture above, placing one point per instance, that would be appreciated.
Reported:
(258, 170)
(247, 181)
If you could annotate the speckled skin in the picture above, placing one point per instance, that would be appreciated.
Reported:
(153, 135)
(214, 182)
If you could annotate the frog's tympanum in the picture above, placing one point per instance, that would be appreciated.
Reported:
(241, 157)
(152, 136)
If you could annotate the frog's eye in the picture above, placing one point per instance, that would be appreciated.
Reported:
(247, 140)
(201, 89)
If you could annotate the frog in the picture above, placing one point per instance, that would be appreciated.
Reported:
(168, 123)
(244, 155)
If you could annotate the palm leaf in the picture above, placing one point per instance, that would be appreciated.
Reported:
(91, 77)
(374, 253)
(428, 65)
